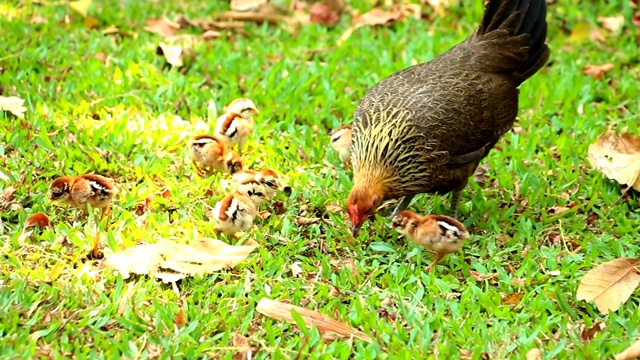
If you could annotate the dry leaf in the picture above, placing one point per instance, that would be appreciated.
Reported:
(580, 32)
(303, 221)
(181, 319)
(588, 334)
(512, 299)
(612, 23)
(439, 6)
(378, 17)
(13, 104)
(632, 352)
(534, 354)
(124, 300)
(481, 176)
(618, 157)
(333, 208)
(39, 219)
(204, 256)
(296, 269)
(597, 71)
(481, 277)
(245, 351)
(163, 26)
(280, 310)
(610, 284)
(81, 7)
(636, 19)
(266, 14)
(246, 5)
(320, 13)
(173, 54)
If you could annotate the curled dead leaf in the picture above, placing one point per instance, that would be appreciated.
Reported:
(597, 71)
(618, 157)
(378, 17)
(610, 284)
(589, 333)
(325, 324)
(244, 351)
(630, 353)
(481, 277)
(333, 208)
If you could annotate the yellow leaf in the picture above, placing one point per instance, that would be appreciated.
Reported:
(610, 284)
(81, 7)
(618, 157)
(580, 32)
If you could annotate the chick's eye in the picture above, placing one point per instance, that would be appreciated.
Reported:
(270, 183)
(259, 194)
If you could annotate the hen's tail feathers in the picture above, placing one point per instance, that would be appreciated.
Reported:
(517, 29)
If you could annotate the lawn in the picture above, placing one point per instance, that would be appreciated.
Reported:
(107, 104)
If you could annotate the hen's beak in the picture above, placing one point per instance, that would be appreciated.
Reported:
(355, 230)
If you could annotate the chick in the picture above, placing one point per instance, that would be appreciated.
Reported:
(269, 179)
(243, 107)
(439, 233)
(341, 142)
(254, 189)
(212, 155)
(232, 129)
(235, 213)
(80, 191)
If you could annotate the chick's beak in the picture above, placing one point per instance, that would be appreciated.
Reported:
(256, 111)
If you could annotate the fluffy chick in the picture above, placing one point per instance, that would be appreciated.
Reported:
(438, 233)
(209, 154)
(341, 142)
(235, 213)
(232, 129)
(269, 179)
(83, 190)
(243, 107)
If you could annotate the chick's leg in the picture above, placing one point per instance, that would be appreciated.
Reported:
(402, 205)
(432, 266)
(455, 203)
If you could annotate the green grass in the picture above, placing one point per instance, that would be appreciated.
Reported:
(55, 302)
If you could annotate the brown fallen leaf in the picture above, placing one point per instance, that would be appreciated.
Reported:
(610, 284)
(630, 353)
(512, 299)
(303, 221)
(480, 176)
(597, 71)
(321, 13)
(618, 157)
(378, 17)
(162, 26)
(204, 256)
(590, 333)
(266, 14)
(333, 208)
(612, 23)
(325, 324)
(636, 19)
(244, 351)
(13, 104)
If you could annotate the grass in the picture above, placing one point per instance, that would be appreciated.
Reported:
(57, 303)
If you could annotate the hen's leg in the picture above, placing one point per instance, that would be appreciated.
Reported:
(402, 205)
